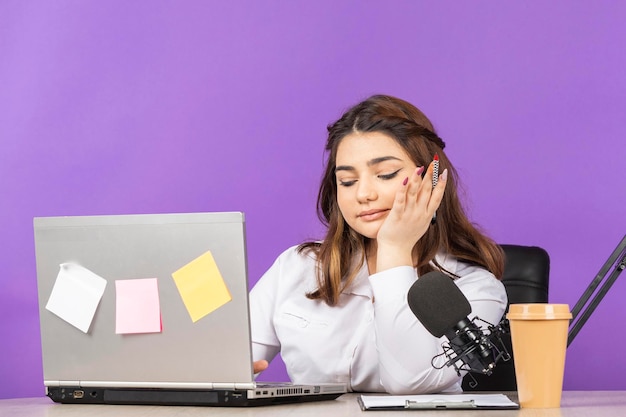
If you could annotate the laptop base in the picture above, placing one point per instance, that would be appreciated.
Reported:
(136, 396)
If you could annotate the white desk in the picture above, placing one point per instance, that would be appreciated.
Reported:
(573, 404)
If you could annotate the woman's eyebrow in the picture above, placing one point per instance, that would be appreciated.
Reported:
(370, 163)
(344, 168)
(377, 161)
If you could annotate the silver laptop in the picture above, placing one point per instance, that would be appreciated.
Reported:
(151, 309)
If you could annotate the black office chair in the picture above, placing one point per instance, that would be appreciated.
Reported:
(525, 278)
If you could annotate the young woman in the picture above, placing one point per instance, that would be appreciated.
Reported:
(337, 310)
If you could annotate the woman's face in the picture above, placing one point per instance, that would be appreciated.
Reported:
(370, 169)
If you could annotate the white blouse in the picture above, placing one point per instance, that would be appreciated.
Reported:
(370, 340)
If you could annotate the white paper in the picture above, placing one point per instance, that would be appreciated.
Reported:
(76, 294)
(393, 401)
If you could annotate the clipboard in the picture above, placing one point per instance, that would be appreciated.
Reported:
(436, 402)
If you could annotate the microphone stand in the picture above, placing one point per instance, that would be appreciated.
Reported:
(618, 260)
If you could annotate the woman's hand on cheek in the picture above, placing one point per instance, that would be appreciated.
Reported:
(413, 208)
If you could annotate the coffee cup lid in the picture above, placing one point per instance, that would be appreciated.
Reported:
(538, 311)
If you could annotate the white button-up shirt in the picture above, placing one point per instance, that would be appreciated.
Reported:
(370, 340)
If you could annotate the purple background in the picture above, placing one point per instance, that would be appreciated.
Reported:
(121, 107)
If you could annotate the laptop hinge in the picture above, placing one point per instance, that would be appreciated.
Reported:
(49, 383)
(234, 385)
(144, 384)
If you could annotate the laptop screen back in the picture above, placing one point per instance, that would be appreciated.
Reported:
(99, 275)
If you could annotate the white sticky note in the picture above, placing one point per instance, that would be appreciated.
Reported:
(76, 294)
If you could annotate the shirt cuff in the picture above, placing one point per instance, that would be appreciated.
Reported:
(393, 282)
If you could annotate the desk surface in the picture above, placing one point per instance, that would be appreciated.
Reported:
(573, 404)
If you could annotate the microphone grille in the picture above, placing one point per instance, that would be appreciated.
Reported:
(437, 302)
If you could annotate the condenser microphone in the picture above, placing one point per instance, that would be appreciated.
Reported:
(443, 310)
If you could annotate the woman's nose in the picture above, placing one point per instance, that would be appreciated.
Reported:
(366, 191)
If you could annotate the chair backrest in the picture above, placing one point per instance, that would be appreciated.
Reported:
(526, 279)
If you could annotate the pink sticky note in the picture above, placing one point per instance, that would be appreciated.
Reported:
(137, 308)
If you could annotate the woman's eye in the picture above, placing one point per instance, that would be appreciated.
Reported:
(347, 183)
(389, 176)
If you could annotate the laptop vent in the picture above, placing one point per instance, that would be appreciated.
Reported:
(289, 391)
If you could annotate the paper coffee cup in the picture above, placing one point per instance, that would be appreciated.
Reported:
(539, 340)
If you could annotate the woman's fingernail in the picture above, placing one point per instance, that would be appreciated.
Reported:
(406, 180)
(420, 170)
(444, 175)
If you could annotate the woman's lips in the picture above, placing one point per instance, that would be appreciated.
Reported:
(372, 215)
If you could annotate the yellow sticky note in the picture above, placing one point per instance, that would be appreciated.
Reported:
(201, 286)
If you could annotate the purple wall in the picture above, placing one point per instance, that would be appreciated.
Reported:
(141, 107)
